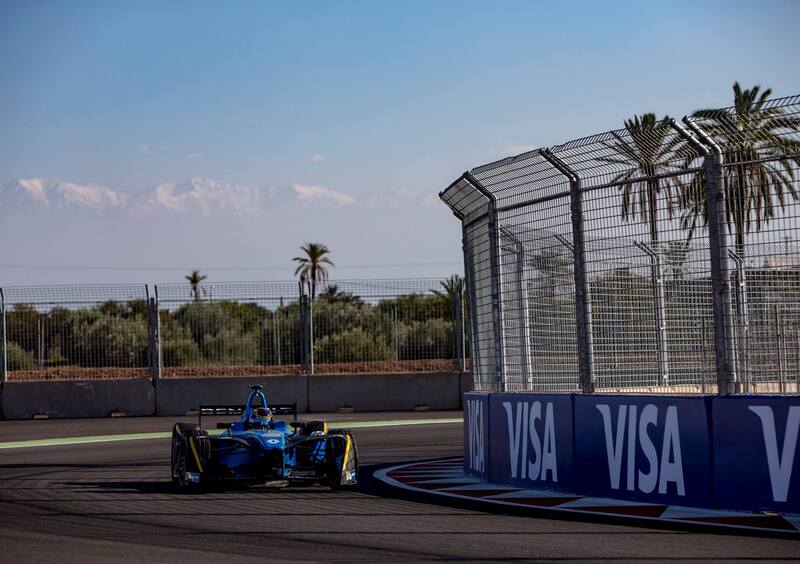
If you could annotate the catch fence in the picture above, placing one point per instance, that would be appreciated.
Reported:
(231, 329)
(663, 257)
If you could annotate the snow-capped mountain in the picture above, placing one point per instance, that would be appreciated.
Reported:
(207, 196)
(54, 194)
(195, 197)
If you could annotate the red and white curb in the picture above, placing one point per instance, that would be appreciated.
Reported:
(446, 478)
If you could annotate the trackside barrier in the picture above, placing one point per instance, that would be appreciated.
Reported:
(756, 452)
(654, 449)
(534, 435)
(717, 452)
(476, 434)
(176, 396)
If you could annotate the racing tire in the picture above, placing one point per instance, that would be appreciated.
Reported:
(180, 460)
(346, 478)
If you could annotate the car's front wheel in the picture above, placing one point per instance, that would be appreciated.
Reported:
(181, 435)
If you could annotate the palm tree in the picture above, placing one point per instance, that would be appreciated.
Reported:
(646, 151)
(761, 156)
(451, 287)
(311, 267)
(194, 280)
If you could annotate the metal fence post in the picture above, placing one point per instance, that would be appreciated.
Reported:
(720, 277)
(521, 288)
(469, 281)
(3, 355)
(458, 332)
(660, 309)
(583, 306)
(305, 334)
(154, 339)
(496, 284)
(742, 333)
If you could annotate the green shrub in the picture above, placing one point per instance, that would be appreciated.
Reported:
(340, 317)
(355, 345)
(178, 348)
(425, 339)
(231, 347)
(19, 359)
(102, 340)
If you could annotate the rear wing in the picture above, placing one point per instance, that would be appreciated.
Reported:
(237, 410)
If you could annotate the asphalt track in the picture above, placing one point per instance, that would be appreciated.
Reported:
(112, 501)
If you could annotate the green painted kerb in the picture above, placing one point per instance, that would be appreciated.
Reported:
(165, 435)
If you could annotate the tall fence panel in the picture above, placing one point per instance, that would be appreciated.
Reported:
(385, 326)
(472, 207)
(760, 168)
(645, 278)
(57, 332)
(655, 258)
(230, 328)
(536, 272)
(234, 329)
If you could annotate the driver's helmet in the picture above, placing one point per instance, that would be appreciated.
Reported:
(261, 416)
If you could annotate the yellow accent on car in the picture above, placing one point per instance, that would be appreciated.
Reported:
(346, 454)
(324, 427)
(196, 456)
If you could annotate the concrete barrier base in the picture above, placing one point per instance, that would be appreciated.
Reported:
(87, 398)
(176, 396)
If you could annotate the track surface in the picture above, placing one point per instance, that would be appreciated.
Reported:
(113, 501)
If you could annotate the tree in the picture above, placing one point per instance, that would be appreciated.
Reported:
(194, 280)
(761, 158)
(311, 266)
(333, 295)
(646, 152)
(451, 287)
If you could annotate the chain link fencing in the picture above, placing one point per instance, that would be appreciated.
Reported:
(60, 332)
(232, 329)
(663, 257)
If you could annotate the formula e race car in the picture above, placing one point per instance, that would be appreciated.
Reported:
(259, 449)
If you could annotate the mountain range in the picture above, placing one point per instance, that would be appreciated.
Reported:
(195, 196)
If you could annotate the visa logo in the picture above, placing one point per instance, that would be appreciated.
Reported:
(662, 467)
(475, 426)
(780, 464)
(531, 440)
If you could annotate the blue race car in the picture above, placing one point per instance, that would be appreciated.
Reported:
(258, 449)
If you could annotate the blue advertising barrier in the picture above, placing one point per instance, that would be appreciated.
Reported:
(476, 434)
(755, 452)
(531, 440)
(654, 449)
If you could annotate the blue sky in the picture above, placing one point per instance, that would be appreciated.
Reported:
(363, 98)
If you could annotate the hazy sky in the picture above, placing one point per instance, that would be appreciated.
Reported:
(365, 99)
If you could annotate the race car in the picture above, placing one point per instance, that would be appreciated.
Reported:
(259, 449)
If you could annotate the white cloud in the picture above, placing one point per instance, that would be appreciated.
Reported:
(194, 156)
(313, 194)
(511, 150)
(318, 158)
(394, 199)
(144, 148)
